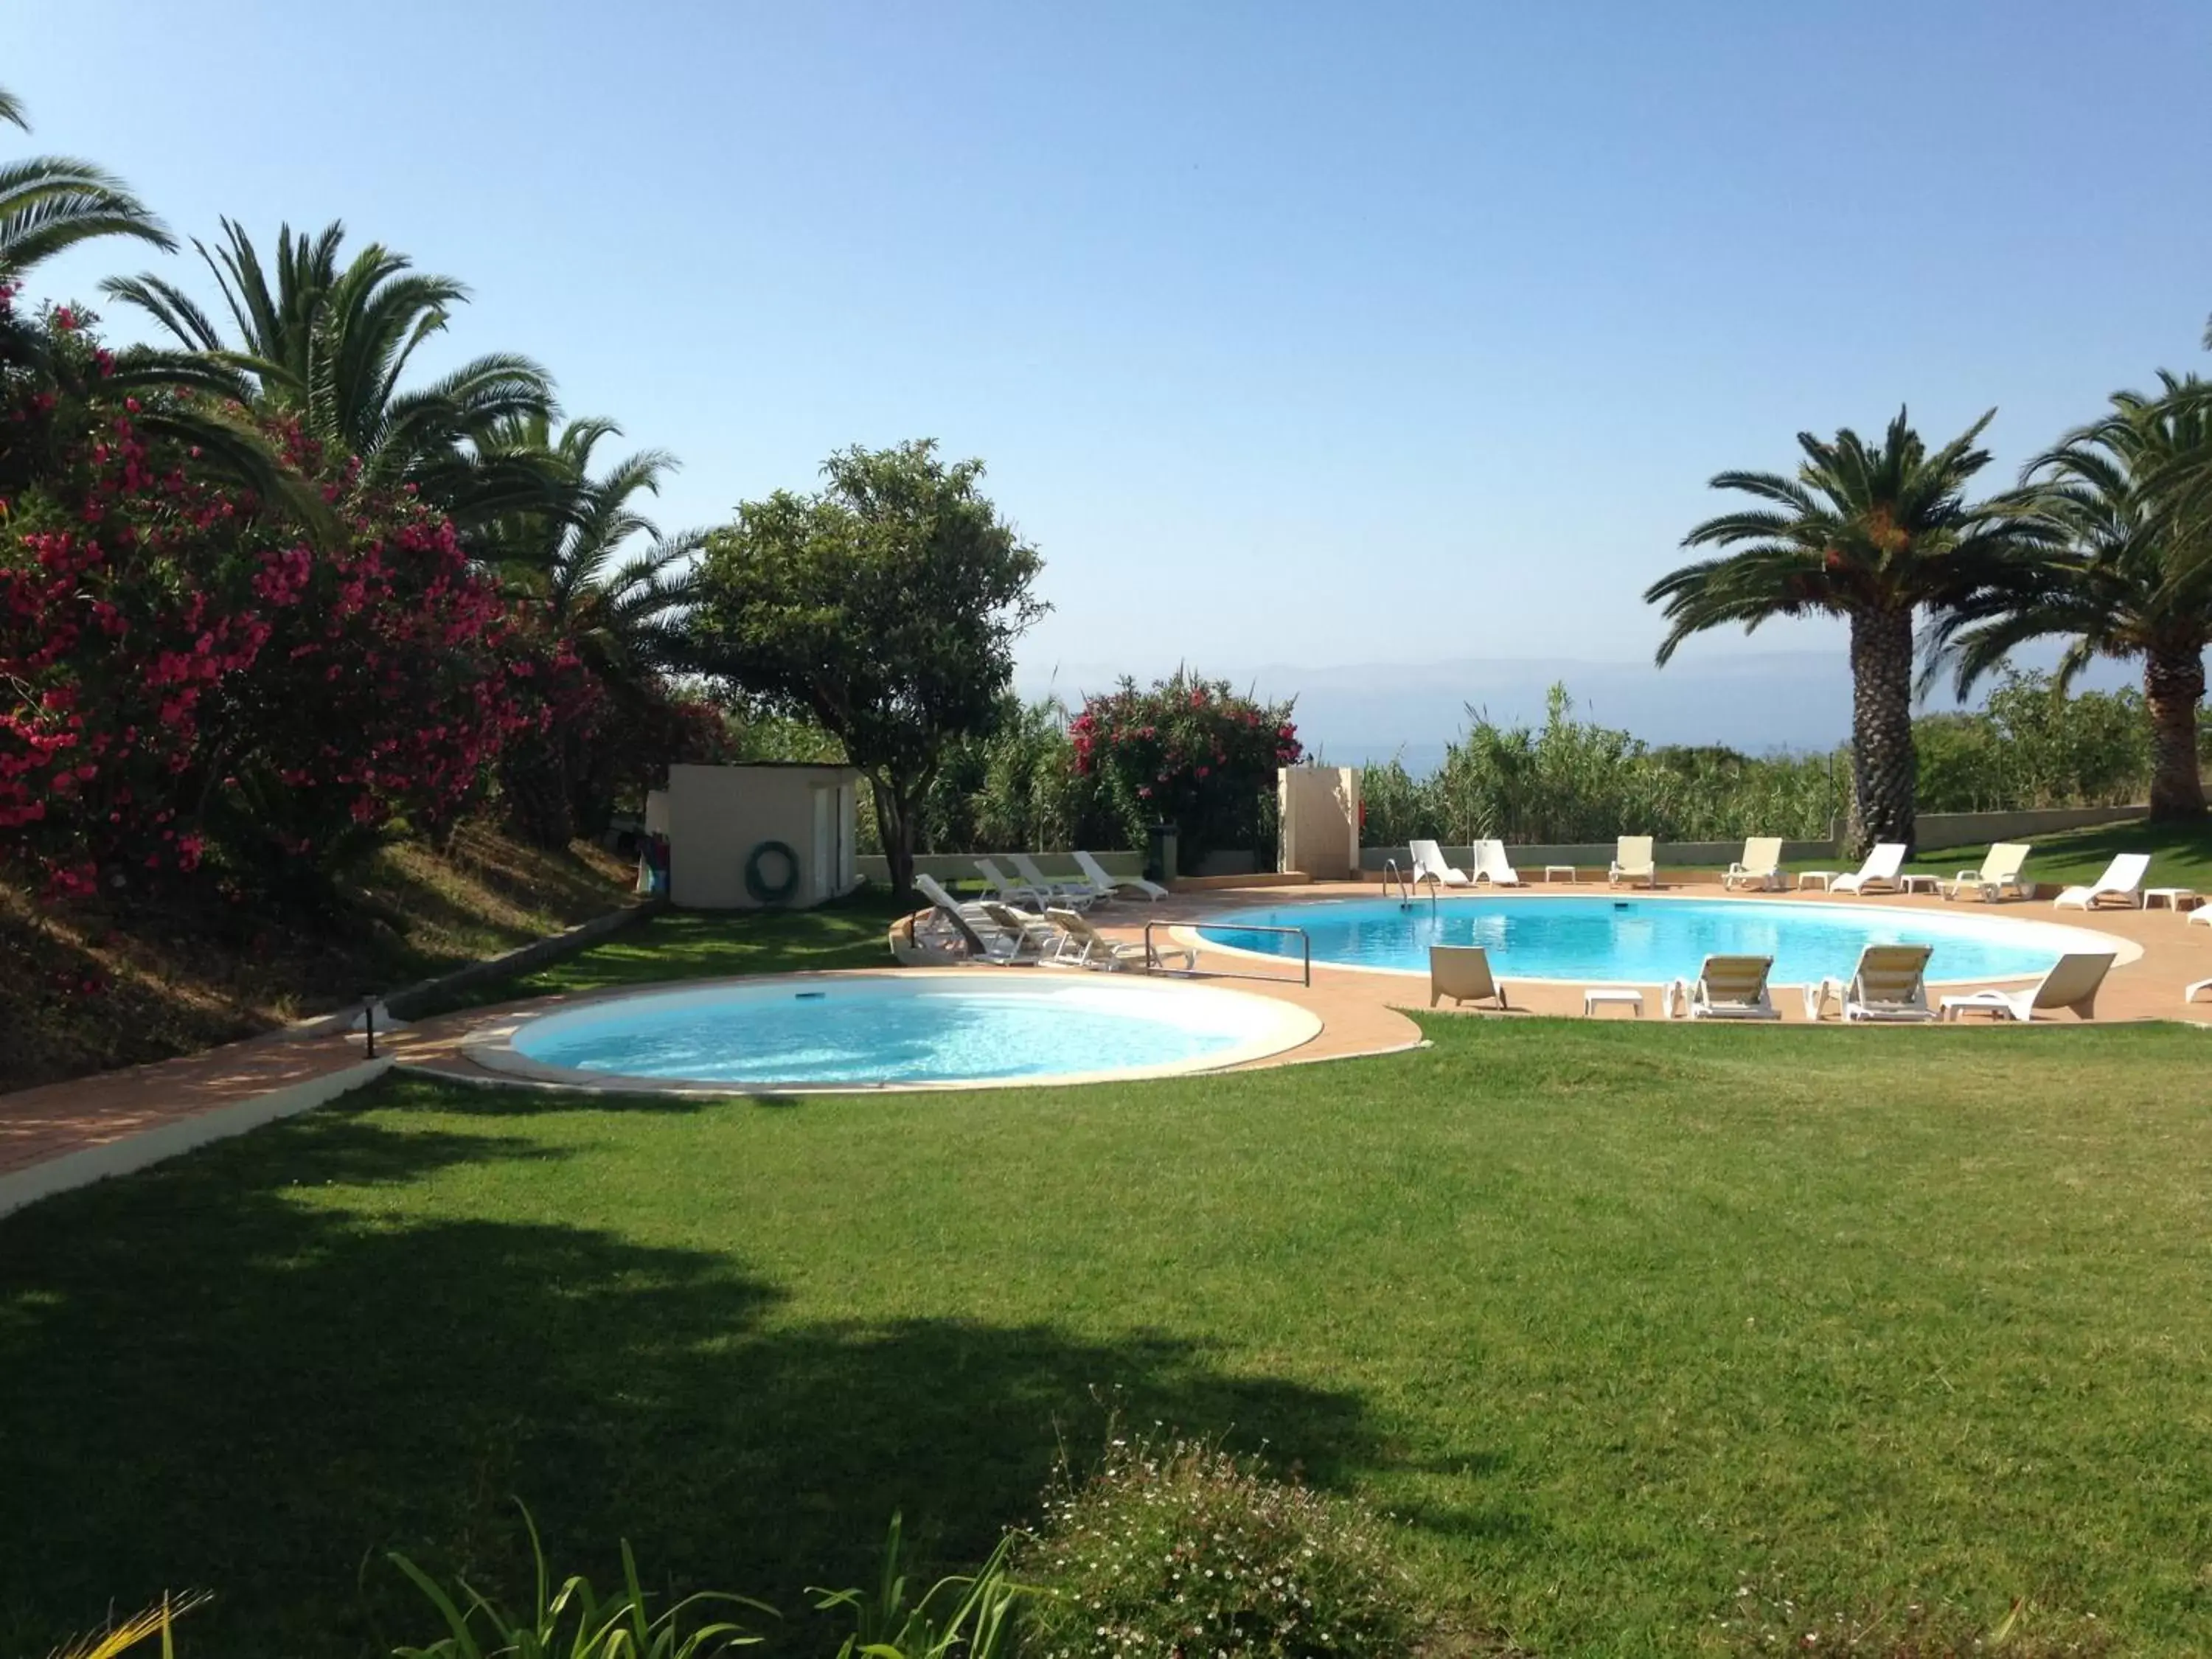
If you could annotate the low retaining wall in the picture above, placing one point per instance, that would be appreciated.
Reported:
(961, 867)
(1530, 858)
(521, 960)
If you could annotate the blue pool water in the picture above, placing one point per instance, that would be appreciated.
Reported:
(909, 1029)
(1647, 940)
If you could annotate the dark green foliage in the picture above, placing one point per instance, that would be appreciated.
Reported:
(884, 608)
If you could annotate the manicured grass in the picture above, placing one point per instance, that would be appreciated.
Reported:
(705, 944)
(2181, 856)
(1620, 1319)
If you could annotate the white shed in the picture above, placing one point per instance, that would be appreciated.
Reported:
(768, 833)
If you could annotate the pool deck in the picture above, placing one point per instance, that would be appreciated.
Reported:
(64, 1134)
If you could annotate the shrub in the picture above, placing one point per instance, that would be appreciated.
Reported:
(1189, 751)
(186, 673)
(1176, 1547)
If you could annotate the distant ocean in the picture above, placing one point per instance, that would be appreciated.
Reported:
(1759, 702)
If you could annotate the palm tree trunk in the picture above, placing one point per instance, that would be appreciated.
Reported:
(1884, 767)
(2173, 686)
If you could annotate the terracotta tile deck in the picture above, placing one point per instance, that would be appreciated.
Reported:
(1359, 1011)
(58, 1118)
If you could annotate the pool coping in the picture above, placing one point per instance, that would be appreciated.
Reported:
(489, 1045)
(1189, 932)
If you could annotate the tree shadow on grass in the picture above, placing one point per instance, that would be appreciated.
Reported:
(214, 1380)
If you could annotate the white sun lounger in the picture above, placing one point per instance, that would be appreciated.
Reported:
(1095, 873)
(1632, 862)
(1075, 893)
(1890, 984)
(2072, 983)
(1759, 866)
(1726, 987)
(1011, 892)
(986, 939)
(1428, 860)
(1999, 870)
(1461, 972)
(1083, 945)
(1490, 865)
(2122, 880)
(1881, 868)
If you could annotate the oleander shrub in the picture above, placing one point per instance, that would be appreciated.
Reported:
(1188, 751)
(1177, 1548)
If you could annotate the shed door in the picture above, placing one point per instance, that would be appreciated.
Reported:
(823, 868)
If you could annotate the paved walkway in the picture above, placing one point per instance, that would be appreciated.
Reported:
(105, 1124)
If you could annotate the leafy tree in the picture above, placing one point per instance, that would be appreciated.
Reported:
(51, 202)
(327, 345)
(885, 606)
(2126, 578)
(1873, 534)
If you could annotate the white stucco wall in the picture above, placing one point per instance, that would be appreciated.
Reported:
(1320, 819)
(716, 814)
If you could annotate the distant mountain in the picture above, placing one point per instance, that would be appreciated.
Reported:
(1365, 713)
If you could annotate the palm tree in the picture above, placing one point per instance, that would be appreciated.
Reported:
(1870, 533)
(327, 344)
(602, 578)
(50, 203)
(2127, 577)
(622, 611)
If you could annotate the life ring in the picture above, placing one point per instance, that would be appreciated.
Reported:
(757, 885)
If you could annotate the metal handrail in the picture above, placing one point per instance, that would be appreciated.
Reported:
(1392, 872)
(1305, 952)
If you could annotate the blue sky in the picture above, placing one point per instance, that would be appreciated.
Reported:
(1291, 334)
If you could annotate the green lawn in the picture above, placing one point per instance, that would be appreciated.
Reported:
(1622, 1320)
(2180, 857)
(705, 944)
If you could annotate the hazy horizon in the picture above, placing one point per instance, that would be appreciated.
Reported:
(1362, 714)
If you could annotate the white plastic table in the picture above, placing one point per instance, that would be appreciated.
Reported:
(2171, 897)
(1627, 995)
(1569, 871)
(1918, 884)
(1824, 877)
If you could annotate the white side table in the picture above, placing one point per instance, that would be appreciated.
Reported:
(1626, 996)
(1917, 884)
(2174, 898)
(1553, 871)
(1824, 877)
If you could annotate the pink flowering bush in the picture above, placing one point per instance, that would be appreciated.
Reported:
(1188, 751)
(1177, 1549)
(186, 677)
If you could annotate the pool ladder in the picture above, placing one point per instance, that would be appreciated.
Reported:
(1393, 876)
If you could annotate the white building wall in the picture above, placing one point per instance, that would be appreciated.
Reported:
(717, 814)
(1320, 818)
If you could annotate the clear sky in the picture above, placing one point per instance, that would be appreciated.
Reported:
(1291, 333)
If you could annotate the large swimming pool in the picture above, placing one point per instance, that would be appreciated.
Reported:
(1646, 941)
(898, 1031)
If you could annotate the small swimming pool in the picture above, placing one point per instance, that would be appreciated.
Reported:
(907, 1029)
(1643, 940)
